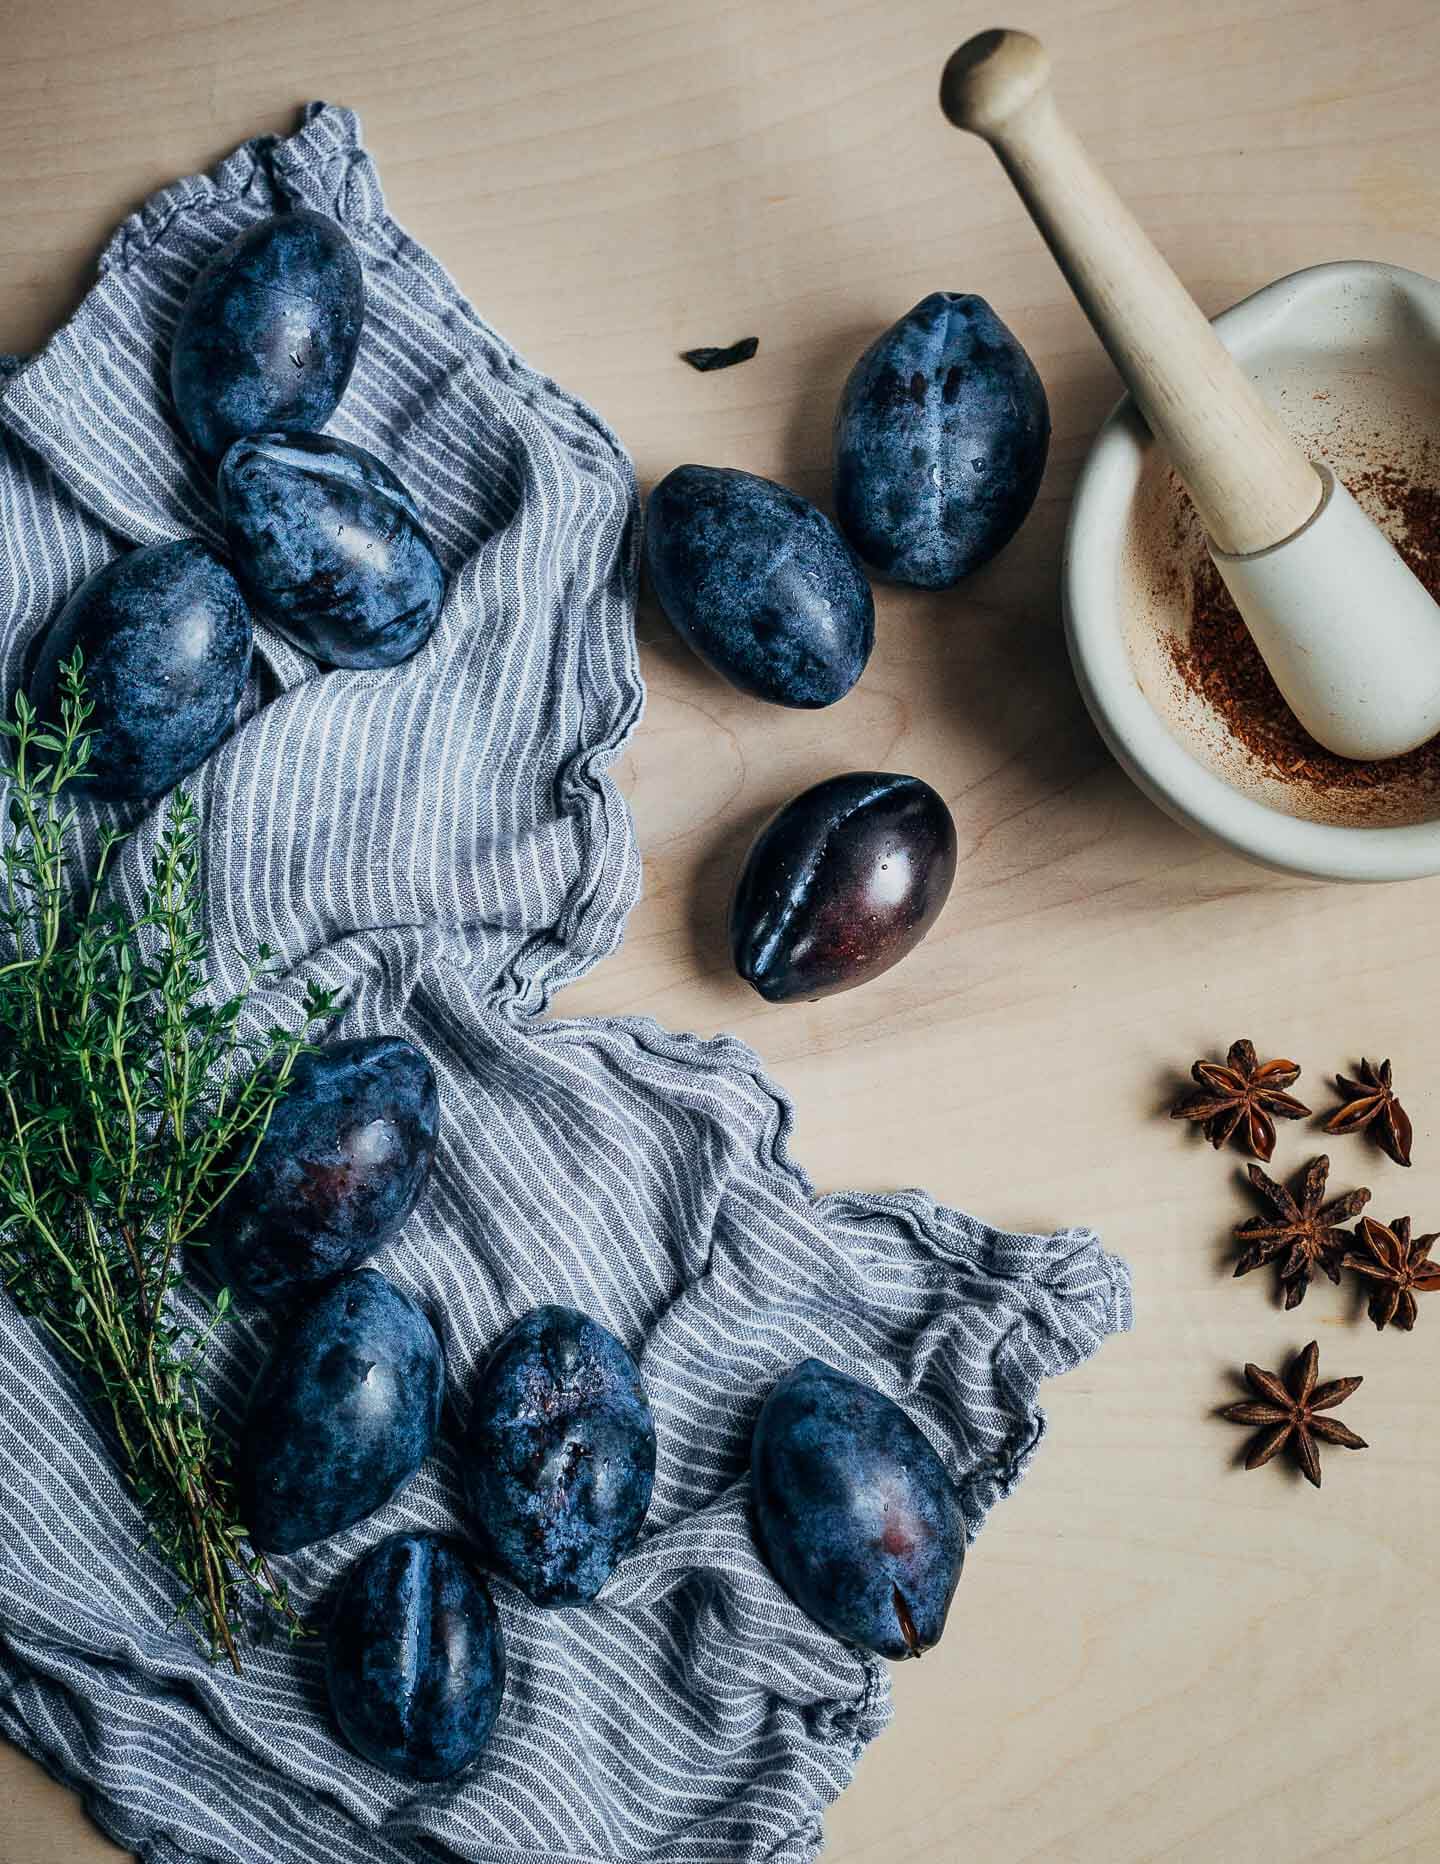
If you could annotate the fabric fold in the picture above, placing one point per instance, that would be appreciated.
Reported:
(443, 844)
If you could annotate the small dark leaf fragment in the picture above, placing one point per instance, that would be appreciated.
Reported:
(707, 357)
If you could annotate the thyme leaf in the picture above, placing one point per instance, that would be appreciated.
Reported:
(130, 1105)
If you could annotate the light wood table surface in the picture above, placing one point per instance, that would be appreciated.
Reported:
(1153, 1655)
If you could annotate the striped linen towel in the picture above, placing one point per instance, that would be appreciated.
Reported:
(442, 843)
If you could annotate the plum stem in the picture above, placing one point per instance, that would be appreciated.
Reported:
(914, 1648)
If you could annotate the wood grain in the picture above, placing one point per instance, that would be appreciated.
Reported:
(1154, 1654)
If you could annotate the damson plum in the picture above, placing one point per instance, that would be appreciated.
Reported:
(330, 547)
(165, 637)
(342, 1165)
(415, 1659)
(855, 1513)
(940, 442)
(268, 335)
(343, 1414)
(560, 1459)
(760, 583)
(841, 884)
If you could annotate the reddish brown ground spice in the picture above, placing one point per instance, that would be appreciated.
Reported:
(1220, 662)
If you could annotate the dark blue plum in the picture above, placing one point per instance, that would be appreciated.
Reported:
(268, 335)
(855, 1513)
(560, 1459)
(342, 1165)
(940, 442)
(343, 1414)
(330, 548)
(166, 638)
(415, 1661)
(840, 884)
(760, 583)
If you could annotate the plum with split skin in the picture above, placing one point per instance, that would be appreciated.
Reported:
(940, 442)
(855, 1514)
(342, 1165)
(840, 884)
(165, 638)
(415, 1659)
(330, 548)
(268, 336)
(760, 583)
(560, 1457)
(344, 1412)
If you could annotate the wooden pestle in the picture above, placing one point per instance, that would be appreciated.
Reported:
(1251, 484)
(1349, 634)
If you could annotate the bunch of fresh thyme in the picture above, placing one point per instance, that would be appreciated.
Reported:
(129, 1107)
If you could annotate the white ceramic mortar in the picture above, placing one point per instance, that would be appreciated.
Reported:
(1349, 354)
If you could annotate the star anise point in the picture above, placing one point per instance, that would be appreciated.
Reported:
(1370, 1105)
(1397, 1265)
(1241, 1098)
(1293, 1412)
(1303, 1232)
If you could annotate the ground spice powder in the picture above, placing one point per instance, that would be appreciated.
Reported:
(1221, 663)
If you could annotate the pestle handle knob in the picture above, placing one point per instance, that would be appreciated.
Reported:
(1252, 486)
(993, 77)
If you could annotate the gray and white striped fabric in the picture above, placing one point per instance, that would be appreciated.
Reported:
(442, 843)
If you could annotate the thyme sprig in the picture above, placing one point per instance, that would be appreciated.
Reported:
(130, 1105)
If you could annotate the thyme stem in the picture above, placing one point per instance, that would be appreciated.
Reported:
(130, 1105)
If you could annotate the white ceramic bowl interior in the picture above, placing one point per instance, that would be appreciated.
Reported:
(1350, 355)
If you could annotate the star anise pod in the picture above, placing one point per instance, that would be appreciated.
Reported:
(1400, 1268)
(1370, 1103)
(1239, 1096)
(1304, 1227)
(1289, 1411)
